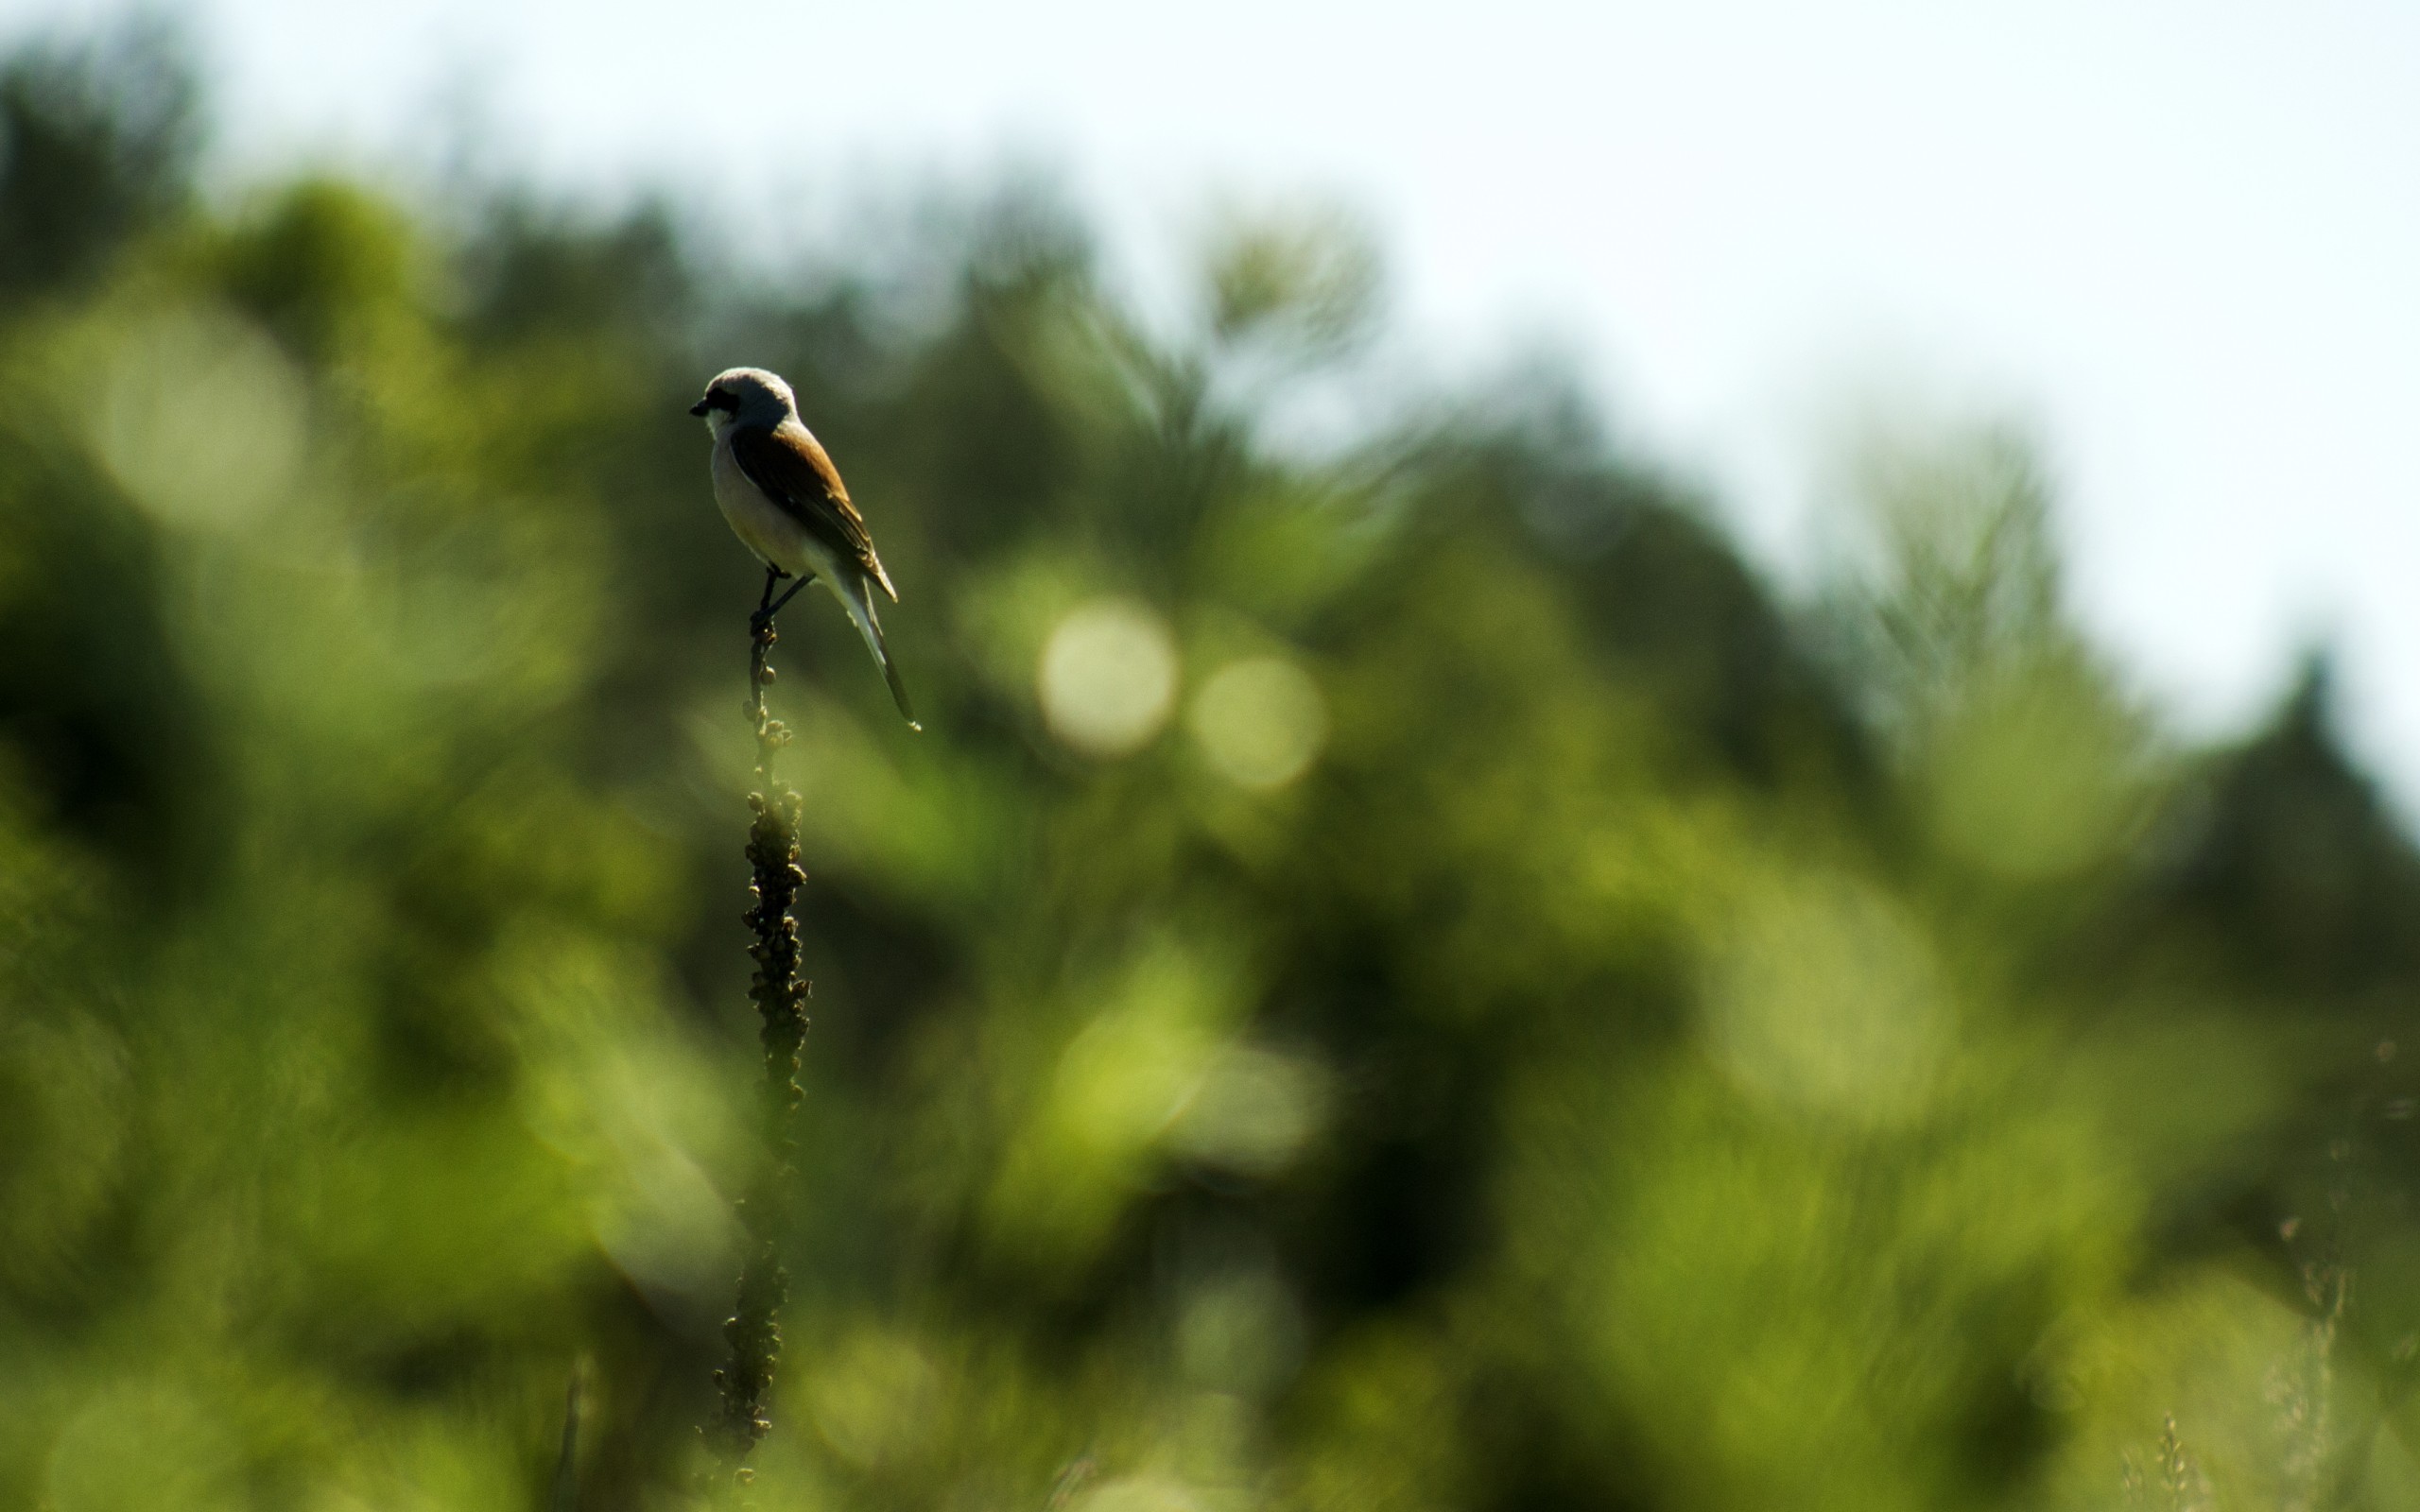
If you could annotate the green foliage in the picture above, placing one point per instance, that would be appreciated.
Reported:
(1404, 979)
(95, 144)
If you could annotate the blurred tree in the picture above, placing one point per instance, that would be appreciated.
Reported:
(1403, 976)
(96, 144)
(2296, 874)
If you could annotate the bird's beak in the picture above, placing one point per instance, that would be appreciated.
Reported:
(698, 409)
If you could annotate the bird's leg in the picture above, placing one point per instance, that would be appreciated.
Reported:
(767, 606)
(789, 593)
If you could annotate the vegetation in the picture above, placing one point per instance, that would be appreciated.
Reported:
(1401, 975)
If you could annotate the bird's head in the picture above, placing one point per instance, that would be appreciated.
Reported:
(745, 396)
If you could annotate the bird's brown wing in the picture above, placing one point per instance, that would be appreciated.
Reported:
(789, 466)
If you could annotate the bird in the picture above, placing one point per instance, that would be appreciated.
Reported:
(783, 498)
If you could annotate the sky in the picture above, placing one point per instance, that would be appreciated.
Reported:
(2181, 242)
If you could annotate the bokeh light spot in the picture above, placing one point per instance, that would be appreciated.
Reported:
(1143, 1494)
(1108, 677)
(874, 1396)
(1253, 1111)
(1824, 996)
(1261, 721)
(201, 419)
(147, 1444)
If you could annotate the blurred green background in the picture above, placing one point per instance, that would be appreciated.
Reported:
(1402, 975)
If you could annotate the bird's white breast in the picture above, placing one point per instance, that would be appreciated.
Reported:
(764, 526)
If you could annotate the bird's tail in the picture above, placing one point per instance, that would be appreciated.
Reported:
(858, 600)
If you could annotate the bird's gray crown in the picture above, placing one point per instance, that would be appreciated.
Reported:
(762, 398)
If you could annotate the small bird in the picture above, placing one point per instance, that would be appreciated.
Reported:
(785, 502)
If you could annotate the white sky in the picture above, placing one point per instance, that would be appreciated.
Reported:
(2183, 239)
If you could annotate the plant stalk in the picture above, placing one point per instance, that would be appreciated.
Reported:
(754, 1330)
